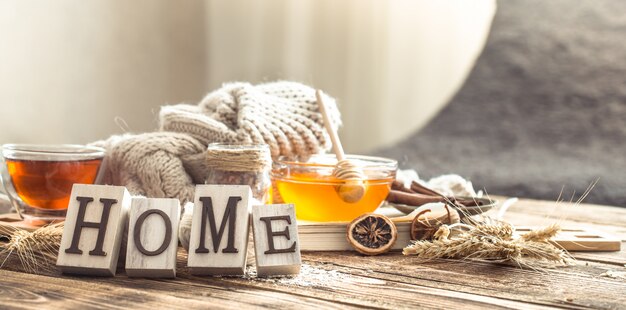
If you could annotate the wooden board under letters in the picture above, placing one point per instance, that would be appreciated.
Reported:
(276, 245)
(152, 237)
(94, 227)
(219, 230)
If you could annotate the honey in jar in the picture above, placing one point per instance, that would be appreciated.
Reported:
(312, 188)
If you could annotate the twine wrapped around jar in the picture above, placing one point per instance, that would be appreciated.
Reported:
(238, 157)
(241, 164)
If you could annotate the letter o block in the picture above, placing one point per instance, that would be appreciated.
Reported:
(152, 238)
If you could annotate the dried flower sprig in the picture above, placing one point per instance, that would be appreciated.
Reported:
(36, 251)
(494, 242)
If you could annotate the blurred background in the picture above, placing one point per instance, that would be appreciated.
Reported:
(78, 71)
(525, 98)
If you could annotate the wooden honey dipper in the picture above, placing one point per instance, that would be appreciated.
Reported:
(353, 189)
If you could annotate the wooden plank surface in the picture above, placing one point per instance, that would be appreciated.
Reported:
(347, 279)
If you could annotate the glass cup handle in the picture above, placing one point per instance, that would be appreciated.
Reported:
(7, 189)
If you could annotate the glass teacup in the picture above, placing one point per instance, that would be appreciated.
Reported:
(38, 178)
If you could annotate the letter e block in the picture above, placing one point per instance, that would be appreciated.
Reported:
(94, 228)
(218, 244)
(152, 238)
(276, 245)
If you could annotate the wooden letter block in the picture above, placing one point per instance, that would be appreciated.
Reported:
(218, 243)
(276, 246)
(94, 228)
(152, 238)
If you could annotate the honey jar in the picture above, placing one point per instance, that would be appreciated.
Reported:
(312, 188)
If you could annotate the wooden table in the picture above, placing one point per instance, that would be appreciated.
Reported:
(346, 279)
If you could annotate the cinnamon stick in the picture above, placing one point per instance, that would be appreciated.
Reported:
(466, 202)
(412, 199)
(419, 188)
(397, 185)
(417, 199)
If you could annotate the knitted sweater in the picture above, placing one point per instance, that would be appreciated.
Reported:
(169, 162)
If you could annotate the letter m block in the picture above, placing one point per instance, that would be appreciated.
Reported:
(218, 244)
(94, 228)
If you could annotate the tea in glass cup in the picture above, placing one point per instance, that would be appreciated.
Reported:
(39, 178)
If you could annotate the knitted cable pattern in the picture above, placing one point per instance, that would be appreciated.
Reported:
(169, 162)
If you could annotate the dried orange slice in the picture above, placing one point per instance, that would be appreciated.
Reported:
(372, 234)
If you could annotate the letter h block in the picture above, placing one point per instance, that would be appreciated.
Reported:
(152, 238)
(218, 244)
(94, 228)
(276, 246)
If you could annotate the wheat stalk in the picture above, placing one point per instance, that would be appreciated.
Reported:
(494, 242)
(542, 234)
(36, 251)
(498, 229)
